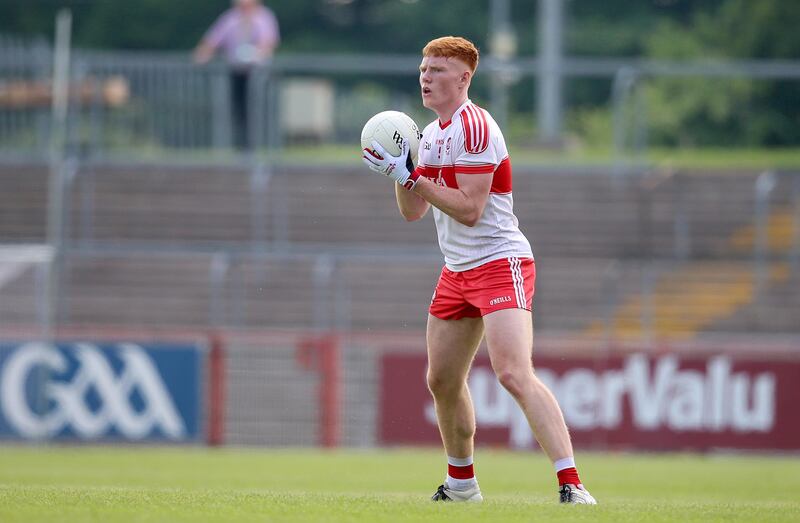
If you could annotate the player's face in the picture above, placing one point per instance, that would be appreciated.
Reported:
(442, 81)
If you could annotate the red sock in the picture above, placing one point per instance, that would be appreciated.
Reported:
(456, 472)
(568, 475)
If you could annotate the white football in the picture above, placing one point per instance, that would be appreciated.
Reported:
(389, 128)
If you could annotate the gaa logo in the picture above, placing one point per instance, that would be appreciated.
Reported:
(81, 389)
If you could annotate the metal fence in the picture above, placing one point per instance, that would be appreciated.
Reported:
(139, 105)
(136, 105)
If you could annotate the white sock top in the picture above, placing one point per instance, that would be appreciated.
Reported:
(564, 463)
(459, 462)
(460, 484)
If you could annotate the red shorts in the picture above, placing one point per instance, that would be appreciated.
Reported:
(507, 283)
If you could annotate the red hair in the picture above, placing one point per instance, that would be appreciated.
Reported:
(454, 47)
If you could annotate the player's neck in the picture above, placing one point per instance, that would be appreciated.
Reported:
(445, 114)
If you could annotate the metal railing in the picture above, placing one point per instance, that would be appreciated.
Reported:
(159, 104)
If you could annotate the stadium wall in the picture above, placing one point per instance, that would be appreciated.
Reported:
(300, 388)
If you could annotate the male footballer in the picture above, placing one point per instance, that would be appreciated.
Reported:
(487, 284)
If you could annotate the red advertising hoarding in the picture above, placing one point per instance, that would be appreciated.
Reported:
(633, 401)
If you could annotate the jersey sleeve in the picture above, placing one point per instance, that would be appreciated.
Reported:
(476, 150)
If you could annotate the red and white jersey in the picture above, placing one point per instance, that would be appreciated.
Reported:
(472, 143)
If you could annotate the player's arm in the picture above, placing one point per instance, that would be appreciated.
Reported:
(464, 204)
(401, 170)
(412, 206)
(415, 193)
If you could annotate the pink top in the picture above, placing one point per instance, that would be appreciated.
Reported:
(240, 36)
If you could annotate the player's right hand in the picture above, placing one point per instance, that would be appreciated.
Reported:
(399, 168)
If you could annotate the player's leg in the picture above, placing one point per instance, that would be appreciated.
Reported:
(451, 348)
(509, 337)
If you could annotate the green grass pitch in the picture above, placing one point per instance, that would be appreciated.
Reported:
(142, 484)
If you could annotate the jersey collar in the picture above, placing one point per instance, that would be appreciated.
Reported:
(445, 125)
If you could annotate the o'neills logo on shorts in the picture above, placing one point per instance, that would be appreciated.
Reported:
(497, 301)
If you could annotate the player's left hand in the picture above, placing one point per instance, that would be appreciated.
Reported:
(398, 168)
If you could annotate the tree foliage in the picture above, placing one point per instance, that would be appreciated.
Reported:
(727, 111)
(693, 111)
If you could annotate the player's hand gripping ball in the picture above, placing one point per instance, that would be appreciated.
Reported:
(390, 128)
(389, 143)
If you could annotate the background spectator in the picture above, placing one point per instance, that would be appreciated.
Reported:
(248, 34)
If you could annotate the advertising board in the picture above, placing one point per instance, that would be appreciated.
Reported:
(108, 391)
(632, 401)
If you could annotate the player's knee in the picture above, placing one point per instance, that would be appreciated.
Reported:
(442, 385)
(513, 379)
